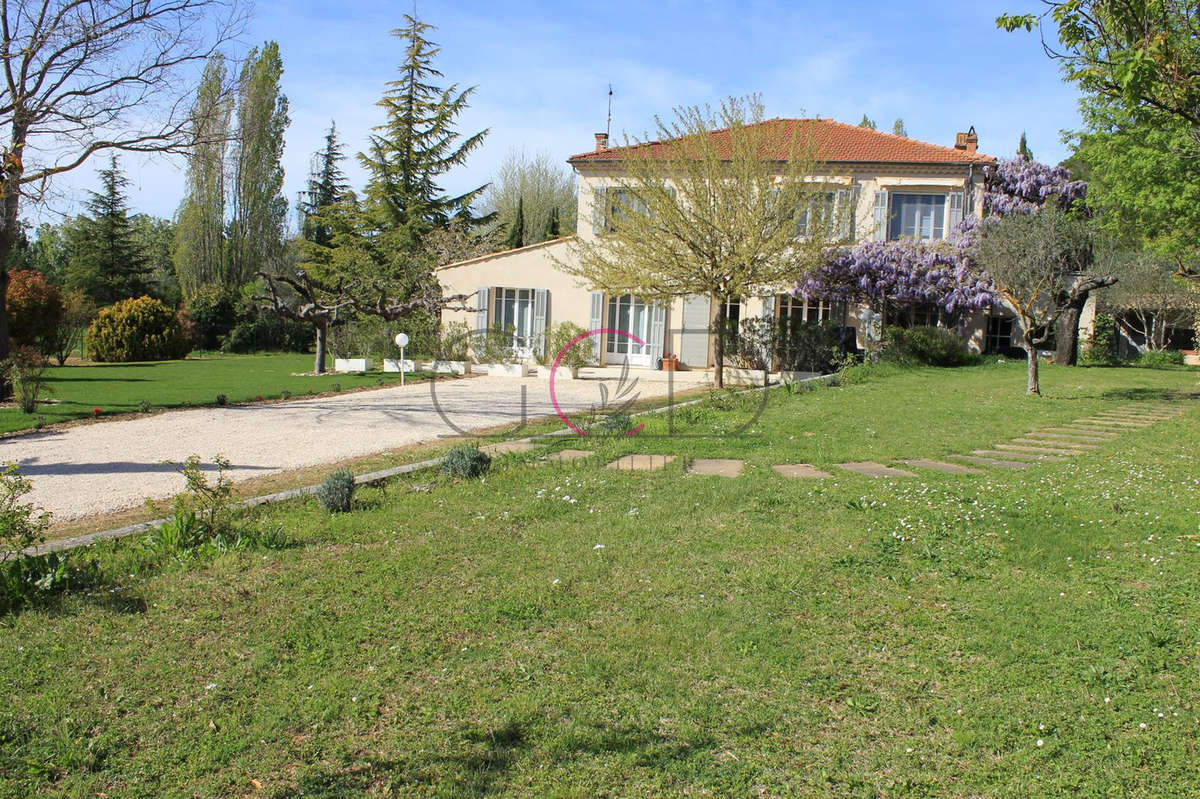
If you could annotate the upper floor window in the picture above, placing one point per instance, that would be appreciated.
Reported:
(918, 216)
(820, 210)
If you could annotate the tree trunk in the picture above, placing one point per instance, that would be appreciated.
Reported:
(1032, 387)
(1066, 352)
(9, 230)
(319, 361)
(719, 351)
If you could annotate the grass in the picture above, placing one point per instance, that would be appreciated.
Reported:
(757, 636)
(121, 387)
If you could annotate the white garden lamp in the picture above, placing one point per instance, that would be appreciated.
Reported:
(401, 342)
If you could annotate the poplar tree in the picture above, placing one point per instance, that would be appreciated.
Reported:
(199, 248)
(416, 146)
(107, 262)
(258, 209)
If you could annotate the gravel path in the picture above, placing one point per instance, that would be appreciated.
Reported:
(109, 466)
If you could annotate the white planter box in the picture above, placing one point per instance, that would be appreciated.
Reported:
(507, 370)
(351, 364)
(393, 365)
(736, 374)
(449, 367)
(795, 377)
(1191, 359)
(563, 373)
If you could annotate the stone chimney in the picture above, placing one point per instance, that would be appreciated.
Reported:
(968, 141)
(601, 142)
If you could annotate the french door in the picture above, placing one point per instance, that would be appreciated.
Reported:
(632, 316)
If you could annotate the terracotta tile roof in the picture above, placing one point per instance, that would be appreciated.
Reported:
(834, 141)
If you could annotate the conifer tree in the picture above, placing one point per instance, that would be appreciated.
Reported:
(327, 186)
(898, 128)
(107, 263)
(416, 145)
(552, 226)
(867, 122)
(516, 231)
(1023, 151)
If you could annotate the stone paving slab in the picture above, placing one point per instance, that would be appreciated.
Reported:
(1036, 450)
(641, 463)
(1111, 423)
(993, 462)
(1042, 442)
(1135, 415)
(1093, 431)
(717, 467)
(942, 466)
(800, 470)
(1015, 455)
(1088, 437)
(568, 456)
(872, 469)
(508, 447)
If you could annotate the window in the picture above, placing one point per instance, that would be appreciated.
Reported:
(999, 335)
(620, 203)
(512, 310)
(918, 216)
(797, 310)
(631, 315)
(821, 209)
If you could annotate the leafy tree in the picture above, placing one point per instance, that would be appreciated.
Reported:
(541, 184)
(705, 213)
(516, 230)
(88, 76)
(415, 146)
(327, 186)
(1148, 299)
(898, 128)
(35, 309)
(1038, 264)
(106, 261)
(867, 122)
(154, 237)
(50, 254)
(199, 247)
(258, 209)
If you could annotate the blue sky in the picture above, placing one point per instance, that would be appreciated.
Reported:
(542, 72)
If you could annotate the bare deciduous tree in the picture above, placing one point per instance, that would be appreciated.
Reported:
(85, 76)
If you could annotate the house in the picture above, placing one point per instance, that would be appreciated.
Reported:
(887, 187)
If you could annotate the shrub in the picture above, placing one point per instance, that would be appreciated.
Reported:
(1157, 359)
(557, 340)
(494, 346)
(141, 329)
(925, 346)
(763, 343)
(257, 330)
(1101, 349)
(222, 400)
(26, 368)
(35, 310)
(145, 407)
(614, 424)
(78, 313)
(21, 526)
(466, 462)
(336, 491)
(213, 314)
(450, 342)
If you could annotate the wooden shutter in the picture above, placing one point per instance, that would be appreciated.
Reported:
(879, 216)
(845, 203)
(483, 296)
(599, 210)
(596, 322)
(658, 332)
(768, 313)
(541, 299)
(955, 216)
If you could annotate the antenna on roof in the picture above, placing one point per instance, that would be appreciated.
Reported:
(608, 123)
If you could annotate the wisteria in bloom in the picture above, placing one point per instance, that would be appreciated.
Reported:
(1018, 186)
(908, 272)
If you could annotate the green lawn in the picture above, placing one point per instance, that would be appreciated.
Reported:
(573, 631)
(120, 387)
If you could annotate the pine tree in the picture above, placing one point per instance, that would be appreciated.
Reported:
(867, 122)
(516, 231)
(199, 247)
(106, 262)
(1023, 151)
(327, 186)
(416, 146)
(259, 211)
(898, 128)
(552, 226)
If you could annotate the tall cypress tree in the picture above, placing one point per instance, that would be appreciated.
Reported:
(516, 232)
(199, 247)
(259, 211)
(107, 262)
(416, 145)
(1023, 151)
(327, 186)
(552, 225)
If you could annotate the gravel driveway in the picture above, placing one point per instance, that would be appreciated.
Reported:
(109, 466)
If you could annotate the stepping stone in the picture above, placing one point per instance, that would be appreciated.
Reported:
(1036, 450)
(1086, 437)
(942, 466)
(508, 447)
(872, 469)
(800, 470)
(1092, 431)
(641, 463)
(1131, 417)
(717, 467)
(1111, 423)
(568, 455)
(1041, 442)
(1014, 455)
(992, 462)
